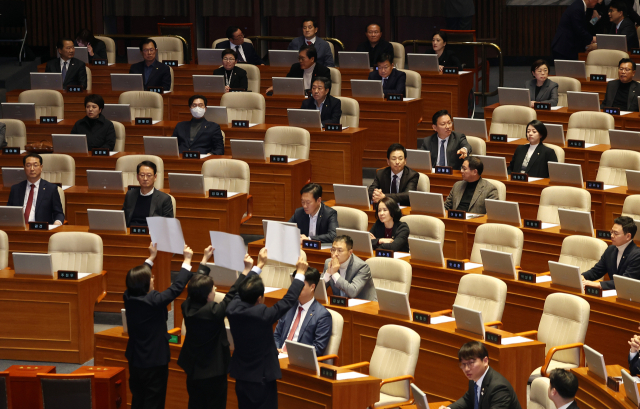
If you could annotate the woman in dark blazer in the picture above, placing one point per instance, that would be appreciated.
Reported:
(389, 232)
(95, 48)
(234, 77)
(446, 58)
(536, 154)
(541, 88)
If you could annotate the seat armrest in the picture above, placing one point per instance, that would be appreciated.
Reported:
(547, 359)
(497, 324)
(529, 334)
(355, 366)
(441, 312)
(175, 331)
(396, 379)
(335, 358)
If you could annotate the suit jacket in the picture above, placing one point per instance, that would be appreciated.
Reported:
(627, 28)
(207, 140)
(101, 135)
(250, 53)
(459, 8)
(383, 47)
(496, 393)
(326, 224)
(160, 75)
(629, 265)
(548, 92)
(632, 99)
(76, 72)
(318, 71)
(399, 234)
(572, 35)
(357, 282)
(448, 59)
(99, 50)
(484, 190)
(148, 344)
(396, 83)
(239, 77)
(160, 204)
(331, 109)
(456, 142)
(538, 163)
(48, 203)
(255, 358)
(314, 330)
(325, 57)
(634, 365)
(408, 181)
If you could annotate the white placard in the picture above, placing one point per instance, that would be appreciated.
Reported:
(283, 243)
(229, 250)
(167, 233)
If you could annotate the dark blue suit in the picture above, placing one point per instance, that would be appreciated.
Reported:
(331, 109)
(326, 224)
(315, 329)
(394, 84)
(634, 365)
(572, 36)
(207, 140)
(629, 265)
(48, 203)
(160, 75)
(248, 50)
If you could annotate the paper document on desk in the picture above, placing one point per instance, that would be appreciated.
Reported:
(283, 355)
(442, 319)
(543, 279)
(353, 302)
(65, 187)
(400, 254)
(350, 375)
(548, 225)
(609, 293)
(625, 112)
(111, 153)
(473, 215)
(408, 99)
(589, 145)
(607, 187)
(512, 139)
(154, 122)
(556, 108)
(325, 246)
(464, 72)
(471, 266)
(53, 226)
(534, 179)
(515, 340)
(83, 275)
(167, 233)
(204, 155)
(228, 251)
(283, 242)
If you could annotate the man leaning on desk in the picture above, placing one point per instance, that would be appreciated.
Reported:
(347, 274)
(396, 180)
(623, 93)
(470, 193)
(447, 148)
(146, 201)
(39, 199)
(198, 134)
(154, 73)
(73, 70)
(315, 220)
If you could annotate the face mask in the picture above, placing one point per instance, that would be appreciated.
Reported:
(197, 112)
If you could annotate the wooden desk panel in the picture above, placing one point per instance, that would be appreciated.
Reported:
(110, 384)
(25, 385)
(593, 393)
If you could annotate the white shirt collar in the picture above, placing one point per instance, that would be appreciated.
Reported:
(148, 194)
(445, 139)
(479, 383)
(313, 40)
(311, 216)
(565, 406)
(63, 61)
(320, 104)
(36, 183)
(622, 248)
(618, 25)
(306, 305)
(399, 175)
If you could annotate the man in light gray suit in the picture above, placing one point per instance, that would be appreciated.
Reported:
(309, 29)
(470, 193)
(346, 273)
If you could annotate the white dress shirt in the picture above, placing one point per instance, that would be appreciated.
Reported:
(305, 309)
(313, 41)
(632, 355)
(32, 213)
(565, 406)
(62, 64)
(313, 221)
(399, 175)
(479, 383)
(233, 47)
(308, 73)
(148, 194)
(621, 250)
(446, 144)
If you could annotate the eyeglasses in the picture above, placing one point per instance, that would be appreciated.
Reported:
(615, 233)
(228, 59)
(465, 365)
(624, 69)
(145, 175)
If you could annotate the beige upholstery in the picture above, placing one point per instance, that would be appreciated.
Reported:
(169, 48)
(478, 145)
(172, 81)
(287, 140)
(128, 165)
(219, 40)
(539, 395)
(498, 237)
(631, 207)
(111, 48)
(144, 104)
(4, 250)
(76, 251)
(337, 324)
(229, 174)
(278, 274)
(173, 204)
(581, 251)
(613, 166)
(121, 135)
(62, 200)
(253, 77)
(502, 189)
(511, 120)
(398, 56)
(425, 227)
(558, 150)
(59, 168)
(245, 106)
(354, 219)
(413, 85)
(591, 127)
(336, 82)
(16, 133)
(48, 102)
(604, 62)
(390, 274)
(482, 293)
(350, 112)
(553, 198)
(423, 183)
(565, 84)
(89, 78)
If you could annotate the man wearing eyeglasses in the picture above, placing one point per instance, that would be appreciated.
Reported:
(154, 73)
(198, 134)
(623, 93)
(146, 201)
(346, 273)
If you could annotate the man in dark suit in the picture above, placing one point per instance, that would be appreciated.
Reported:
(310, 323)
(375, 44)
(347, 274)
(40, 199)
(254, 364)
(470, 193)
(146, 201)
(73, 70)
(393, 81)
(634, 357)
(447, 148)
(307, 68)
(572, 36)
(154, 73)
(487, 387)
(330, 108)
(623, 93)
(563, 386)
(621, 257)
(315, 220)
(198, 134)
(309, 31)
(622, 25)
(246, 52)
(396, 180)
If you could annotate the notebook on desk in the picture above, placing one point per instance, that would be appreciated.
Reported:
(570, 68)
(355, 60)
(304, 118)
(629, 140)
(471, 127)
(105, 180)
(46, 80)
(302, 355)
(612, 42)
(117, 112)
(134, 55)
(367, 89)
(209, 56)
(630, 387)
(566, 275)
(419, 160)
(65, 143)
(208, 83)
(247, 150)
(420, 398)
(11, 176)
(217, 115)
(283, 58)
(351, 195)
(24, 111)
(627, 288)
(427, 202)
(161, 146)
(33, 264)
(288, 86)
(514, 96)
(633, 180)
(12, 216)
(469, 320)
(110, 220)
(428, 251)
(595, 362)
(501, 211)
(555, 134)
(423, 62)
(361, 240)
(127, 82)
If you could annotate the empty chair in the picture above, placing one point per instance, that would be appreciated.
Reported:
(287, 140)
(111, 48)
(349, 218)
(553, 198)
(565, 84)
(498, 237)
(511, 120)
(169, 48)
(253, 77)
(423, 183)
(539, 396)
(89, 79)
(144, 104)
(390, 274)
(129, 164)
(399, 57)
(121, 135)
(278, 274)
(631, 207)
(478, 145)
(15, 134)
(558, 150)
(47, 101)
(581, 251)
(60, 390)
(591, 127)
(613, 166)
(4, 250)
(482, 293)
(245, 106)
(331, 351)
(500, 187)
(425, 227)
(76, 251)
(336, 81)
(59, 168)
(604, 62)
(413, 85)
(228, 174)
(350, 112)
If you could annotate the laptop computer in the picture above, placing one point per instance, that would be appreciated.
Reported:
(105, 180)
(427, 202)
(612, 42)
(161, 146)
(186, 183)
(514, 96)
(576, 221)
(81, 53)
(66, 143)
(217, 115)
(633, 180)
(24, 111)
(247, 150)
(629, 140)
(423, 62)
(134, 55)
(583, 101)
(419, 397)
(288, 86)
(265, 223)
(304, 118)
(595, 362)
(46, 80)
(630, 387)
(351, 195)
(208, 83)
(426, 251)
(12, 216)
(366, 89)
(471, 127)
(469, 320)
(494, 166)
(420, 160)
(11, 176)
(627, 288)
(555, 134)
(33, 264)
(117, 112)
(283, 58)
(222, 276)
(351, 59)
(503, 212)
(498, 262)
(111, 220)
(127, 82)
(361, 240)
(302, 355)
(570, 68)
(395, 302)
(566, 275)
(209, 56)
(565, 174)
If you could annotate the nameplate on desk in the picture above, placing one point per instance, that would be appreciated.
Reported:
(611, 110)
(333, 127)
(457, 214)
(338, 301)
(219, 193)
(278, 158)
(311, 244)
(190, 155)
(394, 97)
(595, 291)
(237, 90)
(450, 70)
(598, 77)
(575, 143)
(384, 253)
(519, 177)
(527, 277)
(493, 337)
(603, 234)
(171, 63)
(307, 93)
(139, 230)
(38, 225)
(174, 338)
(613, 384)
(144, 121)
(74, 88)
(99, 152)
(328, 373)
(11, 151)
(542, 106)
(421, 317)
(595, 185)
(157, 90)
(239, 124)
(444, 170)
(495, 137)
(532, 224)
(48, 119)
(131, 187)
(100, 61)
(455, 265)
(67, 275)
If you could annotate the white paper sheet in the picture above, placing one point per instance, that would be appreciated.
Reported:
(471, 266)
(543, 279)
(588, 145)
(353, 302)
(283, 243)
(154, 122)
(167, 232)
(229, 250)
(271, 289)
(556, 108)
(166, 92)
(204, 155)
(22, 151)
(60, 120)
(534, 179)
(515, 340)
(251, 125)
(408, 99)
(65, 187)
(283, 355)
(441, 319)
(399, 254)
(83, 275)
(610, 79)
(548, 225)
(512, 139)
(464, 72)
(625, 112)
(111, 153)
(344, 127)
(289, 160)
(403, 207)
(607, 187)
(350, 375)
(232, 194)
(473, 215)
(53, 226)
(609, 293)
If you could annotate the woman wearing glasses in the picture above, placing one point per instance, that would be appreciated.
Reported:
(541, 88)
(234, 77)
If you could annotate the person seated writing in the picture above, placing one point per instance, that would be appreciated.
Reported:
(396, 180)
(234, 76)
(146, 201)
(330, 107)
(100, 131)
(393, 81)
(470, 193)
(447, 148)
(388, 232)
(198, 134)
(315, 220)
(623, 93)
(533, 158)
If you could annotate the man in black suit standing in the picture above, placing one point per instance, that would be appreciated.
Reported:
(563, 386)
(330, 108)
(487, 387)
(40, 199)
(572, 36)
(396, 180)
(315, 220)
(246, 52)
(254, 364)
(621, 257)
(154, 73)
(623, 93)
(146, 201)
(73, 70)
(447, 148)
(621, 24)
(307, 67)
(393, 81)
(198, 134)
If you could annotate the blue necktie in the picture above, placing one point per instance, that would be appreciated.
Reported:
(442, 156)
(64, 70)
(476, 404)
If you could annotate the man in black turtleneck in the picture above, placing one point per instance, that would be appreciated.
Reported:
(198, 134)
(470, 193)
(99, 130)
(623, 93)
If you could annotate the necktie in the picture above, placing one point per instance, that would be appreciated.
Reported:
(240, 59)
(617, 259)
(476, 403)
(309, 43)
(27, 210)
(64, 70)
(394, 188)
(442, 155)
(293, 328)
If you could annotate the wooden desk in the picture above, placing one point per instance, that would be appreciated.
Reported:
(111, 385)
(594, 393)
(25, 385)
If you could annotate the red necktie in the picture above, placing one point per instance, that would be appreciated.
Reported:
(27, 210)
(293, 328)
(309, 43)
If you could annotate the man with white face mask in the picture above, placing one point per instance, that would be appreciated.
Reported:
(198, 134)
